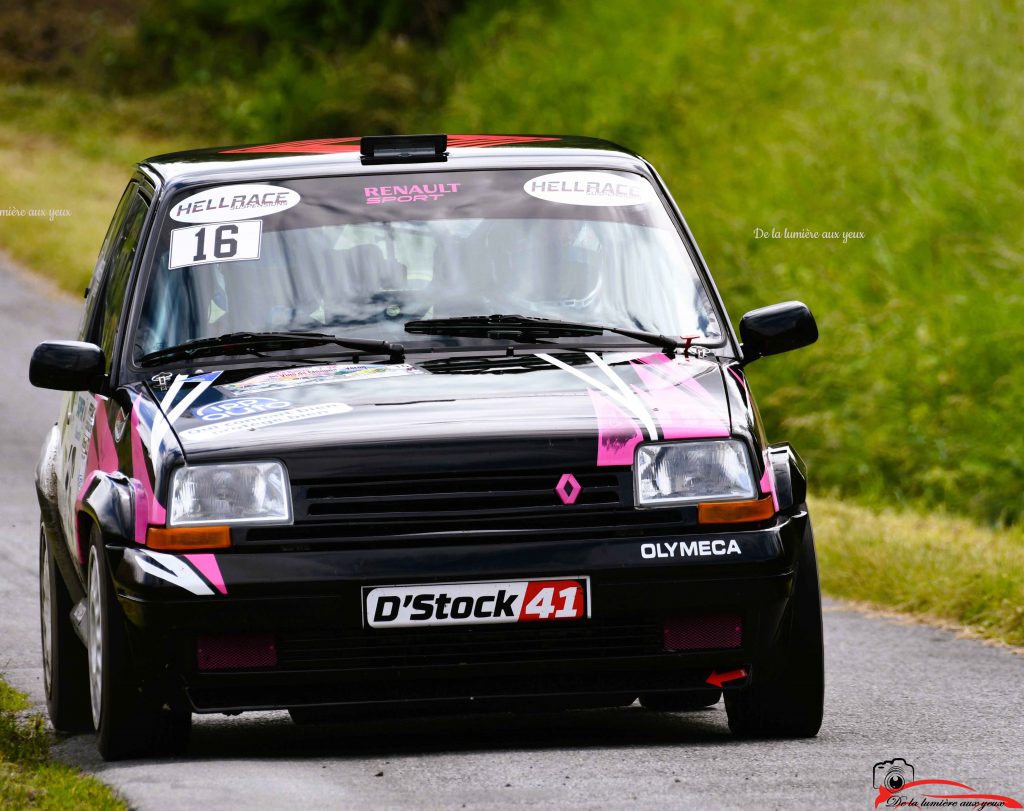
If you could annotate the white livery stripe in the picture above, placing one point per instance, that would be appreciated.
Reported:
(631, 404)
(637, 404)
(170, 568)
(162, 426)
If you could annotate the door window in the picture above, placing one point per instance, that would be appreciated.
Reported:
(113, 283)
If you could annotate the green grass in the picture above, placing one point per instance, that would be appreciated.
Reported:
(900, 120)
(936, 566)
(28, 777)
(65, 158)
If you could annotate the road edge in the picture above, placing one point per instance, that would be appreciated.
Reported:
(866, 609)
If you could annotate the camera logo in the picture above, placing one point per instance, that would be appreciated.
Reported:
(898, 788)
(893, 774)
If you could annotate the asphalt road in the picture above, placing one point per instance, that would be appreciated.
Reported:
(951, 707)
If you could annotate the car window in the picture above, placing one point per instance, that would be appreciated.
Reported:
(110, 241)
(364, 255)
(114, 279)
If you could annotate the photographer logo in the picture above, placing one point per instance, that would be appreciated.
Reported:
(898, 788)
(893, 774)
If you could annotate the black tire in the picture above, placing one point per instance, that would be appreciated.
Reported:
(683, 701)
(174, 731)
(307, 716)
(65, 668)
(127, 723)
(789, 701)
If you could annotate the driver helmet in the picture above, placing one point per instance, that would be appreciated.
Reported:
(548, 264)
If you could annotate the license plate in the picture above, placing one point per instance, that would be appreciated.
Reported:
(488, 603)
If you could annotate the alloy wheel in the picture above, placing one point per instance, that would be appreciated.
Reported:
(45, 598)
(95, 637)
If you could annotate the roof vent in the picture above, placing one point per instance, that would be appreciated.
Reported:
(403, 148)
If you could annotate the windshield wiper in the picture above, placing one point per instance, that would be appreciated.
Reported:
(512, 327)
(242, 343)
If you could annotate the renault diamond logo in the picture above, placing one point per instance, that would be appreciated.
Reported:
(568, 488)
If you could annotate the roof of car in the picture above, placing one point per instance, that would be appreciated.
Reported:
(342, 155)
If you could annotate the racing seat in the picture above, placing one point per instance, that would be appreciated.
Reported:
(369, 272)
(280, 290)
(457, 286)
(360, 283)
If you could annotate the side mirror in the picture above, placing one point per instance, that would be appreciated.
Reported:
(775, 329)
(67, 366)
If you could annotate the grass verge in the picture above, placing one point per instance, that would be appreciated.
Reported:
(65, 158)
(28, 778)
(935, 566)
(894, 121)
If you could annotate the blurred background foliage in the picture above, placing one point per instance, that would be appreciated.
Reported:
(900, 120)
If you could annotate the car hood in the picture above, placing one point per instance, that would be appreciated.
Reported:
(604, 404)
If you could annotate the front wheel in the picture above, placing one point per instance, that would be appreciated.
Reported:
(127, 724)
(789, 703)
(64, 662)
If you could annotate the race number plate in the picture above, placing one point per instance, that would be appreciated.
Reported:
(492, 602)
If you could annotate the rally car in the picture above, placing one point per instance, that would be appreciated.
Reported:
(416, 424)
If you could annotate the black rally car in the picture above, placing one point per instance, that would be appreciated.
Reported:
(416, 423)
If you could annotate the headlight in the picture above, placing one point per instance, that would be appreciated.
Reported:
(692, 472)
(243, 493)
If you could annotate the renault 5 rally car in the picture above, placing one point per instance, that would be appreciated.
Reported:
(416, 424)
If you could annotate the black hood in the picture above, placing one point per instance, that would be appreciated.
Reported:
(602, 405)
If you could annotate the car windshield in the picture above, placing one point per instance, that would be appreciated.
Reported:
(363, 255)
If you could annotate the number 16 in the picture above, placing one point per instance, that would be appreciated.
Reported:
(223, 246)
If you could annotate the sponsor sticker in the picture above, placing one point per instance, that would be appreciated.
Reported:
(84, 422)
(266, 419)
(162, 380)
(408, 193)
(316, 375)
(231, 409)
(590, 189)
(240, 202)
(717, 547)
(223, 242)
(488, 603)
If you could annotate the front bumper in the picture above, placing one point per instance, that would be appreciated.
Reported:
(310, 604)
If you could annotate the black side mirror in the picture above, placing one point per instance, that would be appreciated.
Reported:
(775, 329)
(67, 366)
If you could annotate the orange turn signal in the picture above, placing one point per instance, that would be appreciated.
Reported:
(736, 512)
(188, 539)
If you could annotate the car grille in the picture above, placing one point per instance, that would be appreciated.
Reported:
(454, 494)
(478, 508)
(450, 646)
